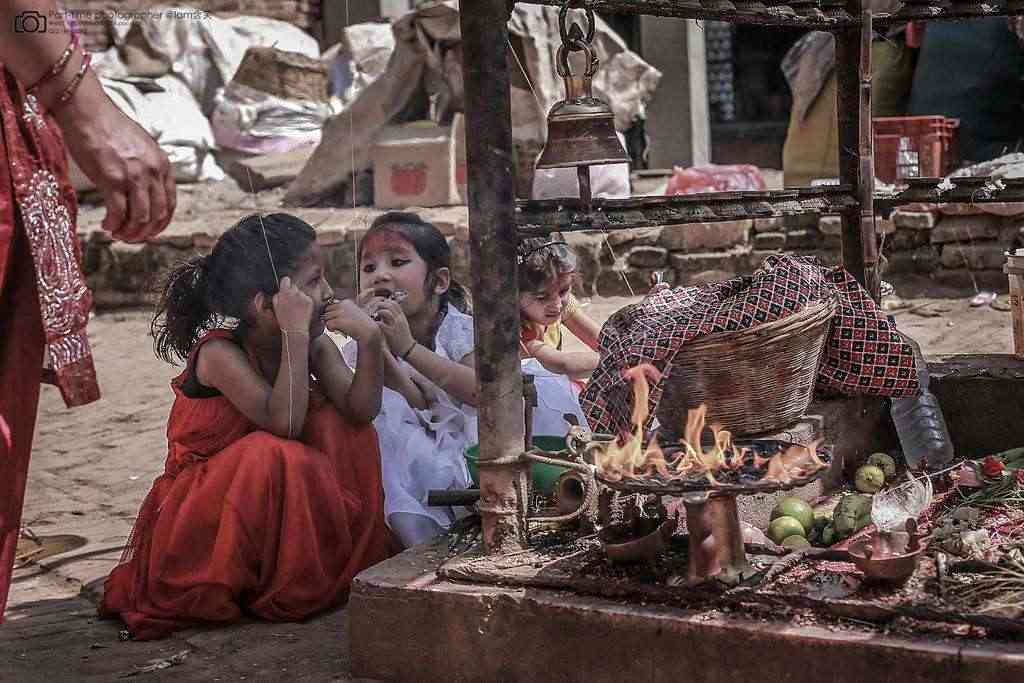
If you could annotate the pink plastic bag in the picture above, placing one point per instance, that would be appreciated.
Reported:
(712, 178)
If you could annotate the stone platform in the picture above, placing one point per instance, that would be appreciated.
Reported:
(407, 624)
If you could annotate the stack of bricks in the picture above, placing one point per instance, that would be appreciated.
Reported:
(622, 262)
(94, 16)
(953, 247)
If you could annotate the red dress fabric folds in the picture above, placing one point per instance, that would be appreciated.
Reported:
(245, 522)
(44, 303)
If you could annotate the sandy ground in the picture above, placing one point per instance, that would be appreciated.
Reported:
(92, 466)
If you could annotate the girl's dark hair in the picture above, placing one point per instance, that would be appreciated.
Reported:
(431, 246)
(205, 292)
(541, 259)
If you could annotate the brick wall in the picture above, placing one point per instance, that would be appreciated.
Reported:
(96, 32)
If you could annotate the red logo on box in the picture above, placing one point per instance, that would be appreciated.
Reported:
(409, 179)
(460, 174)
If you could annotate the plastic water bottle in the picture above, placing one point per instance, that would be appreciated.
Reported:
(920, 425)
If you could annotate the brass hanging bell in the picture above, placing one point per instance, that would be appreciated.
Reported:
(581, 128)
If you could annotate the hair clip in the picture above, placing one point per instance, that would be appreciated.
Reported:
(521, 258)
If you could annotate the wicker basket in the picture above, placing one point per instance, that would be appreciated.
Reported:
(755, 381)
(289, 75)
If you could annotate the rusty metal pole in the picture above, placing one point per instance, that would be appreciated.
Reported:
(869, 237)
(849, 50)
(493, 240)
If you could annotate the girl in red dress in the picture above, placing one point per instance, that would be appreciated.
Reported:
(271, 498)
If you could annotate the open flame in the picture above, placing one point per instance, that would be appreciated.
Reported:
(627, 458)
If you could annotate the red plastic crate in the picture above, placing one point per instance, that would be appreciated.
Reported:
(932, 137)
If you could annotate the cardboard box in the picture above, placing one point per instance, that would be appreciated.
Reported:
(418, 164)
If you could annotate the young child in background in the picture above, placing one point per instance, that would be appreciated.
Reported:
(547, 307)
(546, 271)
(428, 420)
(271, 498)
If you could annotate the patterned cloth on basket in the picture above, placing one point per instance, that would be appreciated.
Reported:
(864, 354)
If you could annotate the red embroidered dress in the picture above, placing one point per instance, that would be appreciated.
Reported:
(245, 522)
(44, 303)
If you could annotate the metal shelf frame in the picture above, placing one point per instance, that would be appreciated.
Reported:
(536, 218)
(497, 223)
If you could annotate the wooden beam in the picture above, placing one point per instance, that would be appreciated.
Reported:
(540, 217)
(848, 111)
(492, 242)
(694, 9)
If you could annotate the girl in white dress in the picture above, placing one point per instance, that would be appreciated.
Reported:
(428, 414)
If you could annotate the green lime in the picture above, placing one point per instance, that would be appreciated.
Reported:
(828, 535)
(784, 527)
(852, 514)
(795, 542)
(797, 508)
(869, 479)
(884, 462)
(822, 517)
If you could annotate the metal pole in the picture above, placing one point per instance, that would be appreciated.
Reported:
(849, 49)
(869, 239)
(493, 240)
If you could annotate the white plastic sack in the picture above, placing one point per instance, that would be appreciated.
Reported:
(265, 32)
(358, 59)
(205, 51)
(610, 181)
(108, 64)
(174, 120)
(249, 120)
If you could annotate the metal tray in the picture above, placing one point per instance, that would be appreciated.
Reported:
(766, 448)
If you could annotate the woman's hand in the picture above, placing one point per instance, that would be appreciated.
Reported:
(346, 317)
(293, 308)
(129, 169)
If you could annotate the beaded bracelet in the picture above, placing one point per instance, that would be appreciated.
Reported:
(57, 67)
(69, 91)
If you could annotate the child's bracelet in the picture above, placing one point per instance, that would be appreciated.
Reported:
(304, 333)
(409, 350)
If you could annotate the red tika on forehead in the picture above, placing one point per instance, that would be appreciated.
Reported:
(385, 240)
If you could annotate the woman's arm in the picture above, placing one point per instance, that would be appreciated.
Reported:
(129, 169)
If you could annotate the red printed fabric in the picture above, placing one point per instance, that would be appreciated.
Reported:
(864, 353)
(38, 201)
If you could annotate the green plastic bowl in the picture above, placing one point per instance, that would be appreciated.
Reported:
(544, 476)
